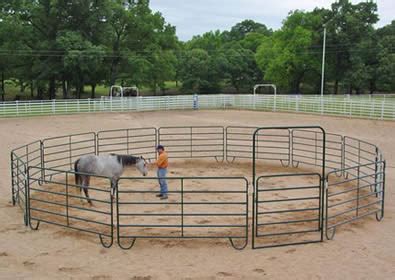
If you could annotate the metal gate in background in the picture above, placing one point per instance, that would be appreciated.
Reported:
(193, 141)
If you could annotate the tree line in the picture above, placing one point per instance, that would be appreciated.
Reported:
(55, 48)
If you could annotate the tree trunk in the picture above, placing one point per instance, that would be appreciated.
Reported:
(2, 87)
(80, 90)
(22, 88)
(40, 93)
(336, 89)
(115, 61)
(93, 91)
(297, 88)
(372, 87)
(64, 89)
(52, 88)
(31, 89)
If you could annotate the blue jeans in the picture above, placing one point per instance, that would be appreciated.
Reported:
(162, 180)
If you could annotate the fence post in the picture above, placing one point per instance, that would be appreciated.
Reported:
(53, 106)
(297, 103)
(67, 198)
(382, 109)
(182, 207)
(27, 194)
(17, 107)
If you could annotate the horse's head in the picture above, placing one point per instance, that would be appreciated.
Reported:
(142, 166)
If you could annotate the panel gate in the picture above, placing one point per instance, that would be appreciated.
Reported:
(287, 210)
(287, 207)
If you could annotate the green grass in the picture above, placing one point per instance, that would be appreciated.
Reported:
(12, 91)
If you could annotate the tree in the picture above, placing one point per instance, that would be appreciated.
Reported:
(349, 26)
(242, 29)
(285, 58)
(241, 68)
(385, 70)
(81, 61)
(200, 72)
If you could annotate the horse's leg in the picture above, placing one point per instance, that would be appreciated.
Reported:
(85, 187)
(114, 181)
(80, 184)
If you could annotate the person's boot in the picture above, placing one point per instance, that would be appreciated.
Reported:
(159, 195)
(164, 196)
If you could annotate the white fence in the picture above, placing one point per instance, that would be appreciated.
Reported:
(363, 107)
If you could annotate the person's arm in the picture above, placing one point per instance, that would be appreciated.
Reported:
(161, 160)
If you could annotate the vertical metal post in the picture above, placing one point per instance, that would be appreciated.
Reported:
(376, 177)
(326, 199)
(42, 161)
(321, 207)
(358, 190)
(27, 155)
(290, 148)
(182, 207)
(67, 198)
(17, 181)
(71, 164)
(254, 200)
(12, 179)
(96, 146)
(27, 194)
(343, 155)
(323, 65)
(322, 179)
(316, 148)
(127, 141)
(191, 143)
(383, 189)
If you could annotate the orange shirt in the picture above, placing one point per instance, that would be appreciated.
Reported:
(162, 161)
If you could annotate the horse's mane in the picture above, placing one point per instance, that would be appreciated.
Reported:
(126, 160)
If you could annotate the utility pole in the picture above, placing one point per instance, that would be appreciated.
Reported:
(323, 63)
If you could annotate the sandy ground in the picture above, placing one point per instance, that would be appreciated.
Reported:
(363, 251)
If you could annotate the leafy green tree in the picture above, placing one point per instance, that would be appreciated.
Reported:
(200, 72)
(81, 61)
(285, 58)
(349, 25)
(385, 70)
(209, 41)
(241, 68)
(242, 29)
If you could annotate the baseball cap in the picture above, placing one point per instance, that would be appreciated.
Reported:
(160, 147)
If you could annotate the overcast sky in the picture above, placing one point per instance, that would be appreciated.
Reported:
(193, 17)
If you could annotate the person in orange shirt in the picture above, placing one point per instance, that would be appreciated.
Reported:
(162, 163)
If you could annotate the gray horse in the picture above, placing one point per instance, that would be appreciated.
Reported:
(111, 166)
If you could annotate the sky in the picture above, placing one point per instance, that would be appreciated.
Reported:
(194, 17)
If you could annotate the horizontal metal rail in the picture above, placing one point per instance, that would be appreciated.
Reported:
(183, 200)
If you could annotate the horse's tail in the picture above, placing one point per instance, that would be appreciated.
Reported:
(77, 176)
